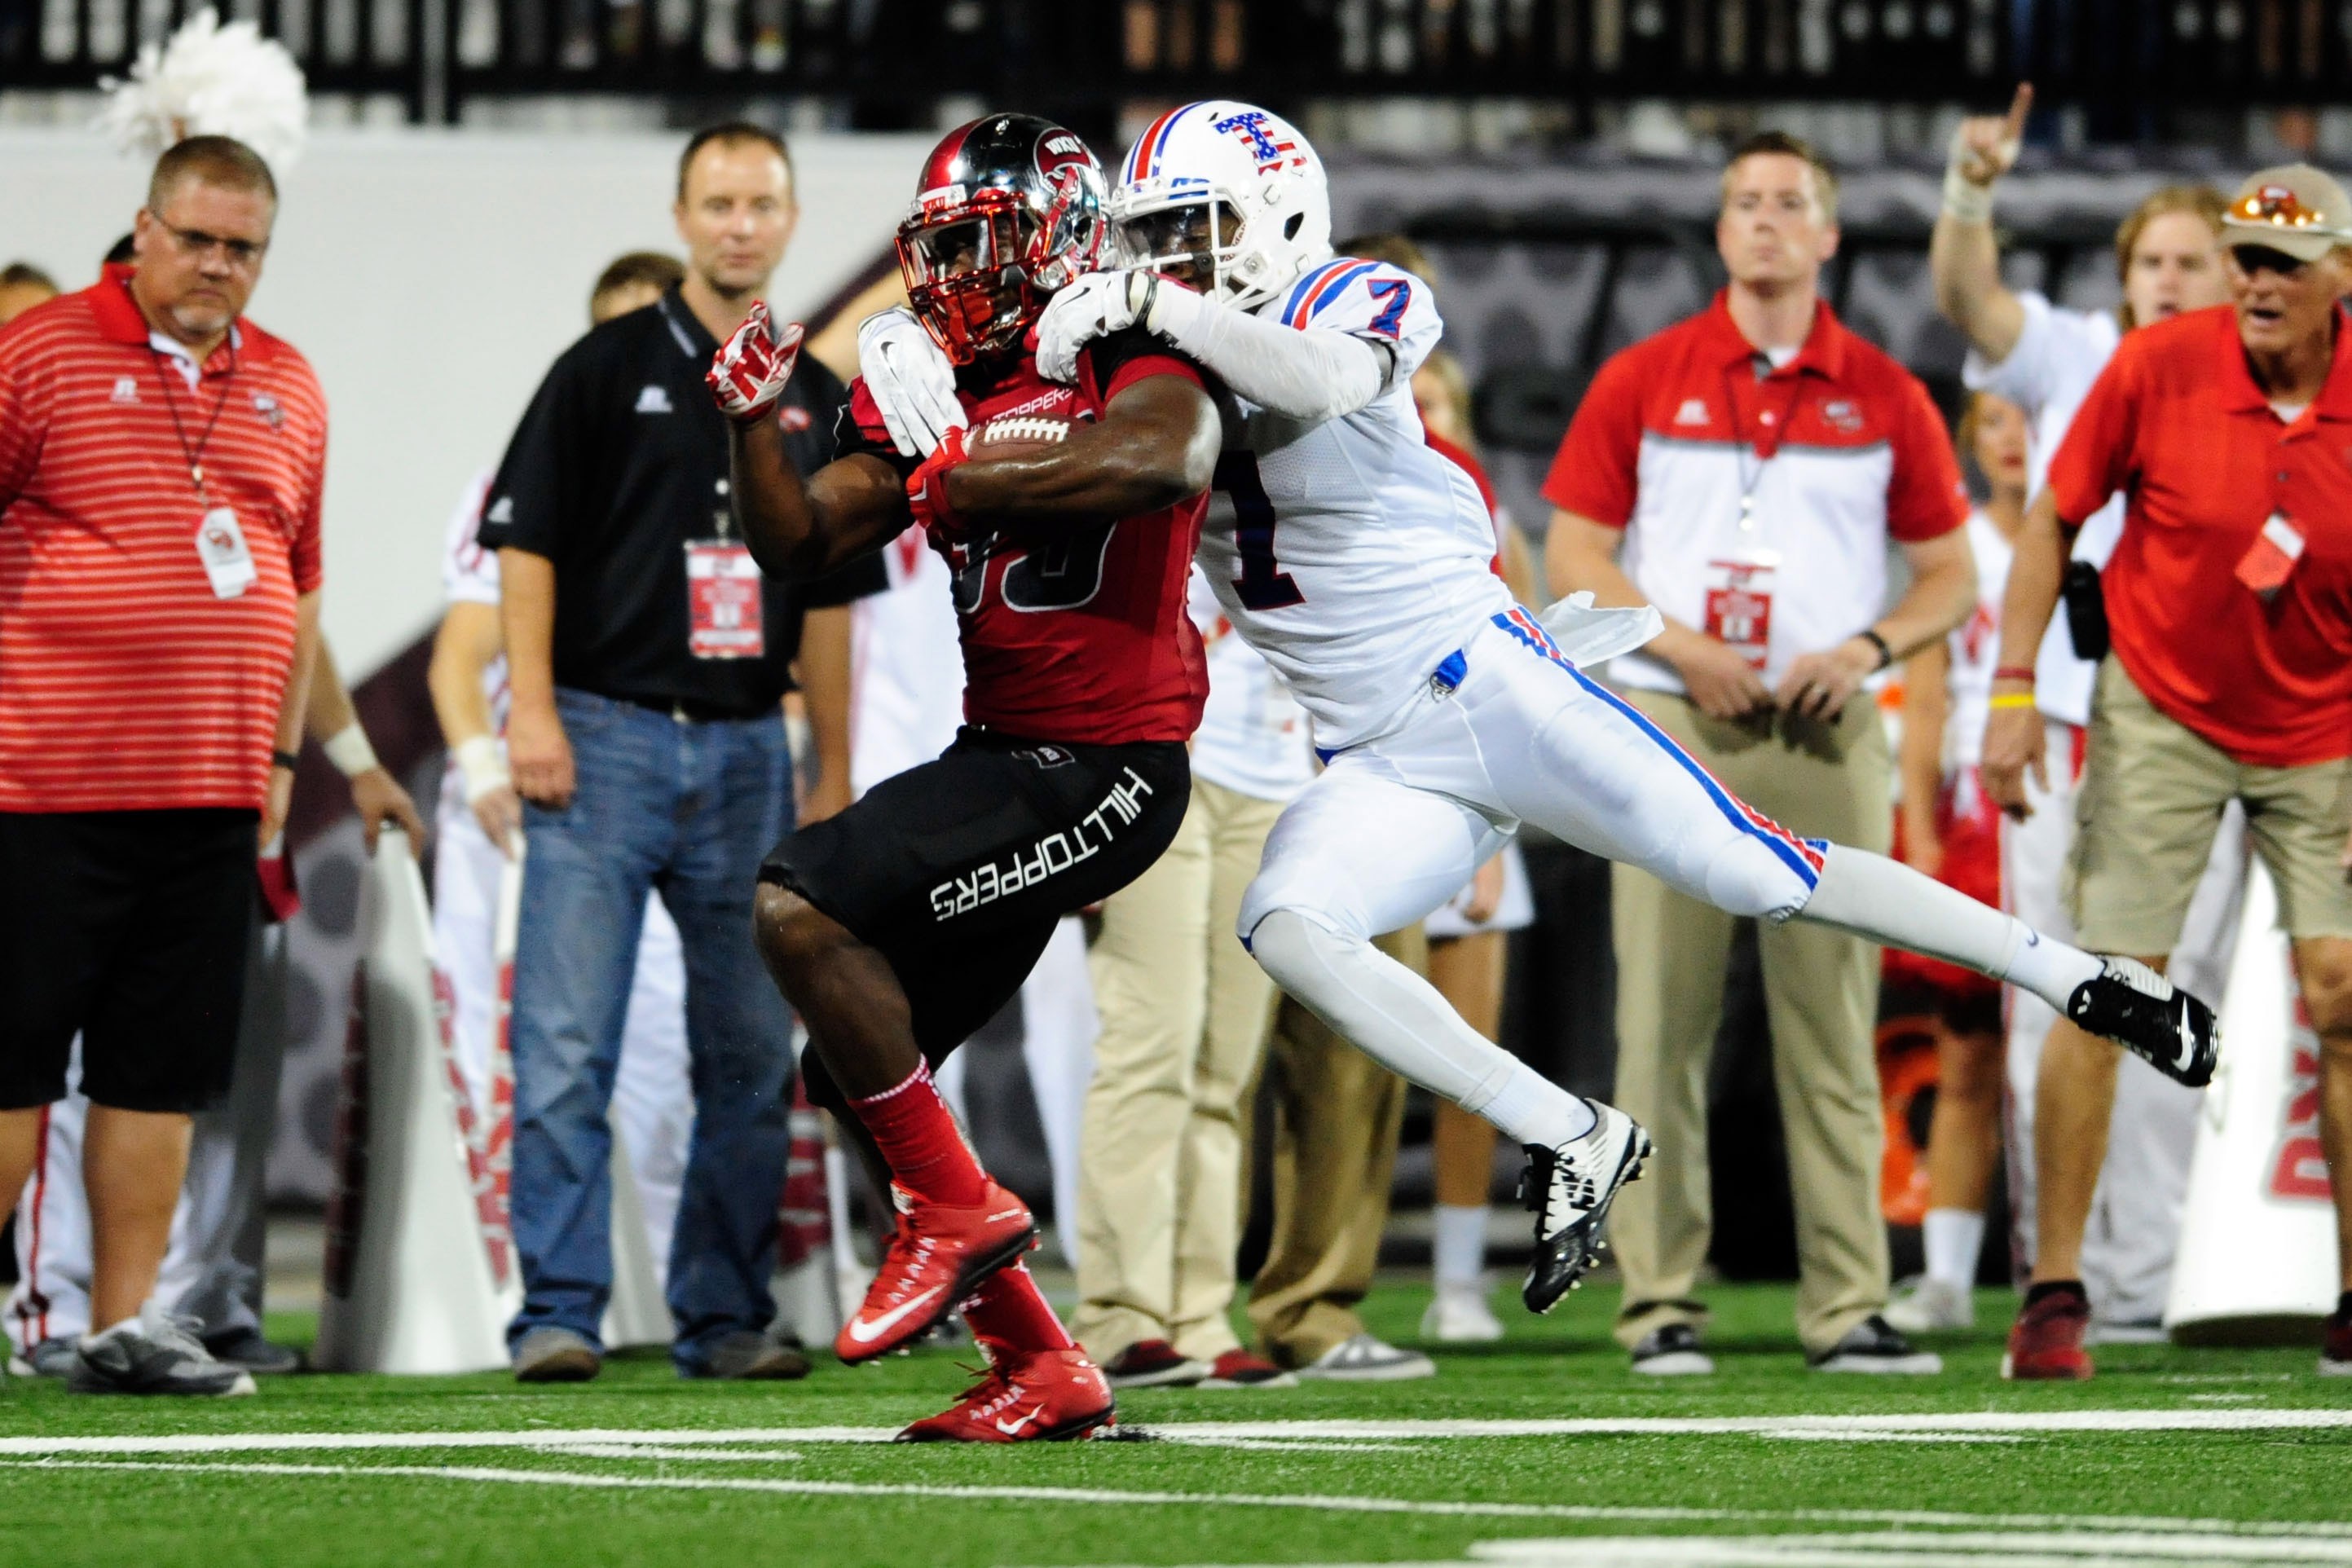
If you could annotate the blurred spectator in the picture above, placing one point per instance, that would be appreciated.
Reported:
(2043, 358)
(22, 287)
(1185, 1011)
(1752, 465)
(1469, 937)
(646, 661)
(1949, 829)
(478, 819)
(2232, 678)
(161, 466)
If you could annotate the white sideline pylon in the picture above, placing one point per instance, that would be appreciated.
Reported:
(409, 1285)
(2257, 1260)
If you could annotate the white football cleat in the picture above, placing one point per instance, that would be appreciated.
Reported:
(1571, 1188)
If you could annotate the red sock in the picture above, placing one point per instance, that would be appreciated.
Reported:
(1009, 1310)
(919, 1139)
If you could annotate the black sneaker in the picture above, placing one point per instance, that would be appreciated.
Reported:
(1874, 1345)
(247, 1349)
(156, 1354)
(2149, 1016)
(1570, 1189)
(1672, 1351)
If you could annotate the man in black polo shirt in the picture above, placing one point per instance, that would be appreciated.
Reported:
(647, 660)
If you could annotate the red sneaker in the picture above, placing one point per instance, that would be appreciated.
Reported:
(1043, 1397)
(2045, 1343)
(938, 1256)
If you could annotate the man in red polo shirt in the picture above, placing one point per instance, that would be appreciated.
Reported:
(2228, 604)
(1745, 471)
(161, 464)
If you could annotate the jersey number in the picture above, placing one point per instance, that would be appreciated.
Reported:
(1399, 294)
(1263, 584)
(1060, 575)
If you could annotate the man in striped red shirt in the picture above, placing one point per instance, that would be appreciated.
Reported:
(160, 465)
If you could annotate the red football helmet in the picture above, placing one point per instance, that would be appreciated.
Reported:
(1010, 209)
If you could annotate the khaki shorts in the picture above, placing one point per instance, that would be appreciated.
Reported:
(2145, 817)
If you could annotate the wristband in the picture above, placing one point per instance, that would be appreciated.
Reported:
(1965, 199)
(286, 760)
(483, 768)
(1886, 654)
(2008, 702)
(349, 749)
(2014, 672)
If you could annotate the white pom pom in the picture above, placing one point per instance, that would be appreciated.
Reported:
(211, 80)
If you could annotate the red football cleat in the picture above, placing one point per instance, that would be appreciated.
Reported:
(1044, 1397)
(2045, 1343)
(938, 1256)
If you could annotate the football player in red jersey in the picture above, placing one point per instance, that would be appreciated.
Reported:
(901, 925)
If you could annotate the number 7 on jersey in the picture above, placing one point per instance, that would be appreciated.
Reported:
(1263, 584)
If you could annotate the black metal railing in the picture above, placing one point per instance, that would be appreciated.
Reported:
(889, 61)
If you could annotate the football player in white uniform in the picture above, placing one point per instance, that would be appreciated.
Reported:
(1356, 560)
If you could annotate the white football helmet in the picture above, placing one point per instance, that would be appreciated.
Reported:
(1226, 197)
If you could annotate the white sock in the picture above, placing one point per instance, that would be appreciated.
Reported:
(1895, 906)
(1460, 1244)
(1400, 1020)
(1953, 1238)
(123, 1327)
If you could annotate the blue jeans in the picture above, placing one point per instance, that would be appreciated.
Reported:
(687, 810)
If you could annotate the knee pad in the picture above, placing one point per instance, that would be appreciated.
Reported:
(1745, 875)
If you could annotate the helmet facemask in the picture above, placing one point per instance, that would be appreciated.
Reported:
(1199, 242)
(980, 265)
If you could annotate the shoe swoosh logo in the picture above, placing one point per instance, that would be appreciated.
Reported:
(865, 1330)
(1014, 1428)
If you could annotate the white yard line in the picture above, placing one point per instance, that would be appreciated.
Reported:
(2316, 1542)
(2033, 1423)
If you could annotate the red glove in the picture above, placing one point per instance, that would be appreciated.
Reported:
(748, 375)
(927, 487)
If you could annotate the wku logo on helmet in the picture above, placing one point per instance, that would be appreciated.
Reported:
(1251, 128)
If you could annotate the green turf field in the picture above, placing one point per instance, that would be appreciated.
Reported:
(2169, 1458)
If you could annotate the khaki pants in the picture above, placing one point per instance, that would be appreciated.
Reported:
(1186, 1011)
(1820, 990)
(1336, 1114)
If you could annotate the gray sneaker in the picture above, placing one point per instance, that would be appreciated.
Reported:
(54, 1357)
(550, 1355)
(156, 1354)
(1364, 1358)
(744, 1356)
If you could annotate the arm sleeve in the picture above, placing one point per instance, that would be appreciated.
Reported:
(537, 485)
(1347, 332)
(1925, 496)
(2097, 457)
(1596, 473)
(26, 396)
(306, 556)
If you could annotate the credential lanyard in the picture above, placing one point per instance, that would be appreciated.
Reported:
(193, 455)
(1771, 428)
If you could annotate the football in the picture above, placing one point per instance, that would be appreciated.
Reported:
(1019, 435)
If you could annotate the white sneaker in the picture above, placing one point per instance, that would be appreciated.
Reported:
(1458, 1315)
(1929, 1305)
(1364, 1358)
(1571, 1188)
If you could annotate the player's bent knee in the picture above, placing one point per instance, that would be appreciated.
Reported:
(1286, 943)
(1747, 876)
(789, 930)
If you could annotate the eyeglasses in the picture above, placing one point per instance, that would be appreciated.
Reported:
(2278, 207)
(244, 255)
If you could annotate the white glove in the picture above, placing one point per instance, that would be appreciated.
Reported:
(1587, 636)
(910, 379)
(1097, 305)
(748, 372)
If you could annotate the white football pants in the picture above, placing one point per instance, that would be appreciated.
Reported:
(653, 1093)
(2134, 1225)
(1392, 829)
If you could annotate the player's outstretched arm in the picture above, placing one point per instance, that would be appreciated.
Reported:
(1311, 375)
(849, 508)
(1963, 257)
(1155, 445)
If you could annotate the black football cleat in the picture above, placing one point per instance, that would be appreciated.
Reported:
(1570, 1189)
(2151, 1017)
